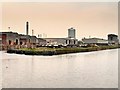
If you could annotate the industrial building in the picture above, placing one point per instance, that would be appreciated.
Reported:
(70, 40)
(15, 40)
(61, 41)
(97, 41)
(41, 42)
(113, 39)
(9, 38)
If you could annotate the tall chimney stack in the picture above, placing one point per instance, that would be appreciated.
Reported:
(27, 27)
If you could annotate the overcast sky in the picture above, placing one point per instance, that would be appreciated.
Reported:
(54, 19)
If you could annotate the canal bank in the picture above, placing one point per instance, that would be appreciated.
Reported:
(57, 51)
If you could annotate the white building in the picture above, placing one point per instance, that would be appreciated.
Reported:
(94, 41)
(71, 33)
(61, 41)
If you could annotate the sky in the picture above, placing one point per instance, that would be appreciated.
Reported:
(90, 19)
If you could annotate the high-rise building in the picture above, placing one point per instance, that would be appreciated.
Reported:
(71, 33)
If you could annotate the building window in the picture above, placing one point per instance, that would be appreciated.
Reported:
(74, 42)
(16, 41)
(9, 42)
(69, 41)
(111, 38)
(20, 43)
(66, 41)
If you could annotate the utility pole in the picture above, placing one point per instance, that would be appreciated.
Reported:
(32, 32)
(9, 28)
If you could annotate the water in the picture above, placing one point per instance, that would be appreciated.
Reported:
(97, 69)
(0, 70)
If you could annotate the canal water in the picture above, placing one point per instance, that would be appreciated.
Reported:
(98, 69)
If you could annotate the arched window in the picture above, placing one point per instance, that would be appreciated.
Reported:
(16, 41)
(9, 42)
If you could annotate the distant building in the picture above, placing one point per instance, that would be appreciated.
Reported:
(33, 40)
(24, 39)
(61, 41)
(41, 42)
(97, 41)
(13, 39)
(113, 39)
(71, 33)
(9, 38)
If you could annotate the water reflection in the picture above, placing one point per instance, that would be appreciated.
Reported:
(79, 70)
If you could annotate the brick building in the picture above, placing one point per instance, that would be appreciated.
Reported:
(15, 40)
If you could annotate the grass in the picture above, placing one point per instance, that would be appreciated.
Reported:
(56, 51)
